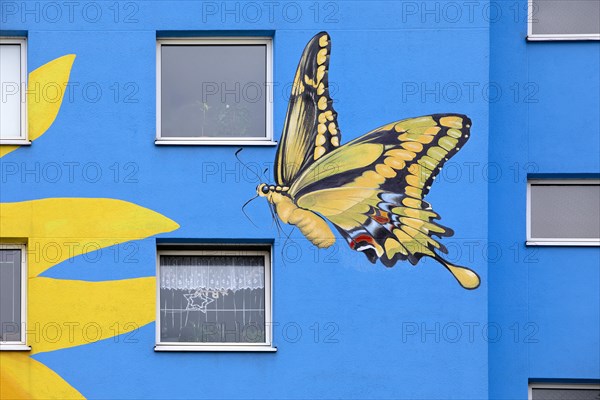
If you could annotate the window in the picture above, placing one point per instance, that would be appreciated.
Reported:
(214, 300)
(563, 212)
(564, 20)
(13, 287)
(13, 75)
(551, 391)
(214, 91)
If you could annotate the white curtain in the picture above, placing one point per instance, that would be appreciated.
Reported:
(212, 272)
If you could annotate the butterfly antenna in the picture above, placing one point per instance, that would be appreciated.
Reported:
(275, 220)
(279, 227)
(246, 166)
(287, 238)
(247, 216)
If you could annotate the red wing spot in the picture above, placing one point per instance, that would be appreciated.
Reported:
(362, 238)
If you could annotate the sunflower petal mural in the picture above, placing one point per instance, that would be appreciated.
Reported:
(72, 227)
(42, 111)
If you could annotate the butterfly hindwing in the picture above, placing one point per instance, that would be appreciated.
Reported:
(372, 189)
(310, 129)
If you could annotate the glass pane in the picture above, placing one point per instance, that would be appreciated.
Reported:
(10, 295)
(565, 394)
(219, 299)
(566, 17)
(565, 211)
(213, 91)
(10, 79)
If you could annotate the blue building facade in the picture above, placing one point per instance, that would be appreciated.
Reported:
(554, 289)
(96, 200)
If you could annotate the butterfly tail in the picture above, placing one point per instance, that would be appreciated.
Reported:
(466, 277)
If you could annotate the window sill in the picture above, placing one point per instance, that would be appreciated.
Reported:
(233, 348)
(542, 38)
(163, 142)
(14, 347)
(563, 242)
(15, 142)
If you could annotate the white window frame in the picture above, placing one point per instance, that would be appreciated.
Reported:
(558, 386)
(227, 250)
(533, 37)
(23, 139)
(267, 140)
(531, 241)
(22, 344)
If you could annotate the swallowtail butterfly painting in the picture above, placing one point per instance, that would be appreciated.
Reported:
(372, 189)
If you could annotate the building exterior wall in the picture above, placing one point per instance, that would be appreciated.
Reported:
(344, 328)
(549, 294)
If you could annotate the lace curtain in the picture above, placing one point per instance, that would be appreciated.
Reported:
(212, 272)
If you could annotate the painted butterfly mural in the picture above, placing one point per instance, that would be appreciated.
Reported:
(371, 189)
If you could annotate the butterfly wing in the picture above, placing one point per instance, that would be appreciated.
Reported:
(310, 130)
(373, 188)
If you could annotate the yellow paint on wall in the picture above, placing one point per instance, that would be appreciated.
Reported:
(5, 149)
(57, 229)
(45, 92)
(68, 313)
(22, 377)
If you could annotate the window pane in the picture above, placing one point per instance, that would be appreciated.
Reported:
(10, 295)
(566, 17)
(213, 91)
(212, 299)
(565, 211)
(565, 394)
(10, 78)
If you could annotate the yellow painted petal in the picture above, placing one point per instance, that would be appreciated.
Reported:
(22, 377)
(43, 103)
(45, 92)
(67, 313)
(60, 228)
(5, 149)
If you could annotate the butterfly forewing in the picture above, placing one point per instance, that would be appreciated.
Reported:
(310, 129)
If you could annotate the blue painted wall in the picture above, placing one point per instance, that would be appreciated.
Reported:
(406, 332)
(549, 295)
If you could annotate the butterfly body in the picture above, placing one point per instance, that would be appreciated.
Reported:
(371, 189)
(313, 227)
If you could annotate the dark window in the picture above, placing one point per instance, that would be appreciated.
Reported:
(565, 17)
(216, 91)
(564, 394)
(563, 210)
(213, 298)
(10, 295)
